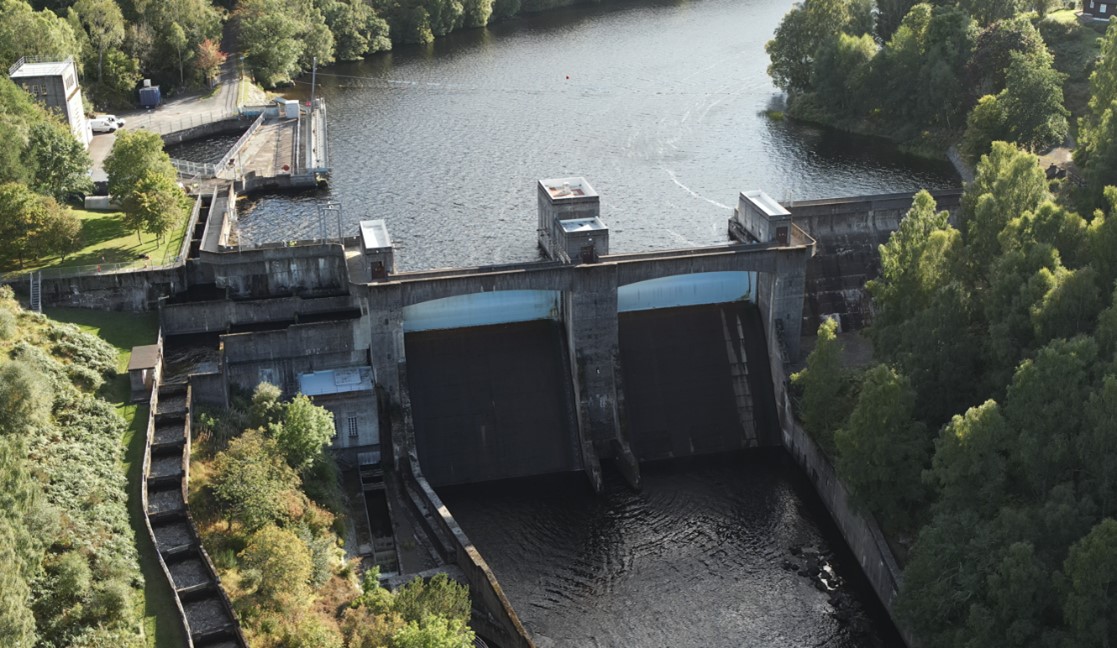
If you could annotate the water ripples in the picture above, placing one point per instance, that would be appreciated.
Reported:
(693, 559)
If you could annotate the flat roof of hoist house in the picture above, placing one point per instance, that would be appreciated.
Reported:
(374, 234)
(765, 203)
(566, 188)
(582, 225)
(53, 68)
(144, 357)
(336, 381)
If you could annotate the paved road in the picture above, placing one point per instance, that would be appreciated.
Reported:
(181, 112)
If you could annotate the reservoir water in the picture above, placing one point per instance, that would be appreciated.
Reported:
(659, 104)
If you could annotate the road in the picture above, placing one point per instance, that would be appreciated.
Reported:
(184, 111)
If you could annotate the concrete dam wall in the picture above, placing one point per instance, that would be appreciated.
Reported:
(696, 380)
(492, 402)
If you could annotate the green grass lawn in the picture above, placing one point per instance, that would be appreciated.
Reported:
(124, 331)
(108, 240)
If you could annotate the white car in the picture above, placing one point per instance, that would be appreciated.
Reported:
(105, 124)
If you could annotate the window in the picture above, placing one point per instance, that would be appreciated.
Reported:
(1103, 8)
(1091, 4)
(352, 427)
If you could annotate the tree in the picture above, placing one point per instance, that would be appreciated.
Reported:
(970, 465)
(806, 28)
(434, 632)
(825, 387)
(21, 221)
(992, 54)
(1091, 572)
(104, 23)
(266, 407)
(1018, 594)
(60, 164)
(208, 58)
(135, 154)
(986, 124)
(356, 27)
(278, 565)
(254, 483)
(439, 596)
(1044, 408)
(989, 11)
(913, 264)
(1097, 447)
(882, 449)
(1033, 102)
(24, 32)
(841, 70)
(1007, 183)
(1101, 240)
(281, 39)
(155, 204)
(177, 28)
(61, 232)
(306, 430)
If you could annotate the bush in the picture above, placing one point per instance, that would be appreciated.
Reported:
(8, 324)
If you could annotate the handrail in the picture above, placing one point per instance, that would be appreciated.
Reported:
(235, 149)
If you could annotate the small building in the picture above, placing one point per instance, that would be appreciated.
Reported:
(1099, 10)
(762, 218)
(348, 394)
(568, 199)
(376, 245)
(55, 83)
(142, 369)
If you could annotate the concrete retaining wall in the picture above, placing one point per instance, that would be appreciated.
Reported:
(275, 272)
(857, 527)
(213, 316)
(122, 291)
(225, 126)
(280, 356)
(499, 621)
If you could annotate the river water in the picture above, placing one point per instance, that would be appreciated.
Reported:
(696, 558)
(658, 104)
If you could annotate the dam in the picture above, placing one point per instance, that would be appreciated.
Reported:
(607, 412)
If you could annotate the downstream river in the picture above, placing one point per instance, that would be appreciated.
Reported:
(658, 104)
(697, 558)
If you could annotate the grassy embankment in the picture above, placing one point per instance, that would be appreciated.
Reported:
(124, 331)
(108, 240)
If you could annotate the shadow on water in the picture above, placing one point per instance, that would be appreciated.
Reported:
(699, 556)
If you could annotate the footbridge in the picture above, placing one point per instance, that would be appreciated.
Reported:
(573, 329)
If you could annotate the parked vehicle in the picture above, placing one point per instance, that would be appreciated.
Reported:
(105, 124)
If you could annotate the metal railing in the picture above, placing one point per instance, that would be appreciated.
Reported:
(37, 58)
(194, 169)
(235, 149)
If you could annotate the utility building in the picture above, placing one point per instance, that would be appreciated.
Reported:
(55, 83)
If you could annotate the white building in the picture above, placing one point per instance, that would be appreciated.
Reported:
(55, 83)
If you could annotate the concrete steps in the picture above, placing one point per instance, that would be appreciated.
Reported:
(207, 615)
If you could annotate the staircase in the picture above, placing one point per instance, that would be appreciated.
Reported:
(36, 279)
